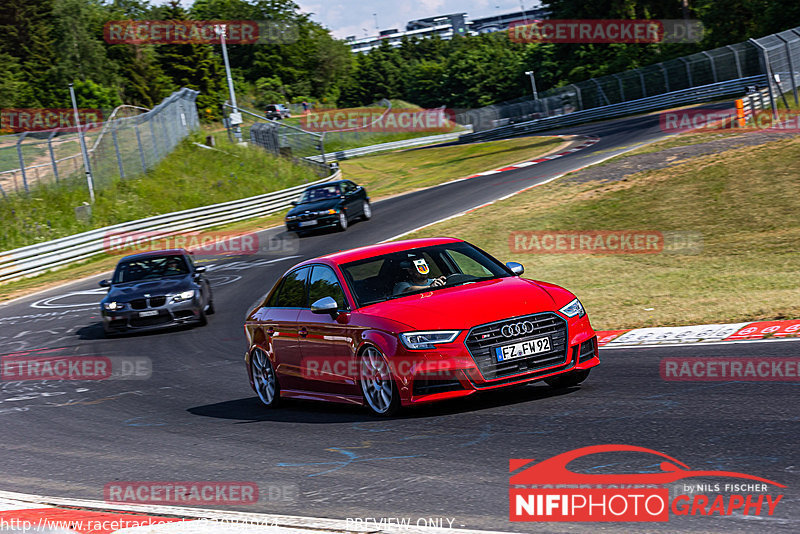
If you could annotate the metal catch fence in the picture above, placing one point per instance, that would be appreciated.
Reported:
(121, 147)
(777, 56)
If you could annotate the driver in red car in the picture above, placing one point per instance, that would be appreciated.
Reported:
(416, 271)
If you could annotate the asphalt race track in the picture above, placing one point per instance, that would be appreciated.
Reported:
(196, 418)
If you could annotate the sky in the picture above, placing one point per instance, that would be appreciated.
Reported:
(353, 17)
(357, 17)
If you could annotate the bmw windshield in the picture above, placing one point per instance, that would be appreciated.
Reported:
(418, 270)
(320, 193)
(149, 268)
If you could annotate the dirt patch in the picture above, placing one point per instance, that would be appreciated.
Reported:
(617, 170)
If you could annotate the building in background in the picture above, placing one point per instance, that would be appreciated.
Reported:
(445, 27)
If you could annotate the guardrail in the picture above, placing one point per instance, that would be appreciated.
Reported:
(693, 95)
(405, 143)
(34, 259)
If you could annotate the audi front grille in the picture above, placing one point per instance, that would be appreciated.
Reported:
(484, 339)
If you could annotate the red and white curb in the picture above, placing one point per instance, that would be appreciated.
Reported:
(589, 142)
(21, 513)
(706, 333)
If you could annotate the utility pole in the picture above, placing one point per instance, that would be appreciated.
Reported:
(86, 165)
(533, 84)
(235, 117)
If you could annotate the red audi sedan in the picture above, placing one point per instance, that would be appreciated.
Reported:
(410, 322)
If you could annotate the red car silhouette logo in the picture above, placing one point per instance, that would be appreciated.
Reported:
(554, 470)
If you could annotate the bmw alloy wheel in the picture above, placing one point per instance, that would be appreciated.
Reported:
(379, 389)
(342, 221)
(367, 211)
(264, 379)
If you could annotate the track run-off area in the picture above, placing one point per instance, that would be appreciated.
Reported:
(196, 418)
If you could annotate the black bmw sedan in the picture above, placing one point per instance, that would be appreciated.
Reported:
(331, 204)
(155, 289)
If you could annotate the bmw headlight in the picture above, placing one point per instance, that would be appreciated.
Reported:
(573, 308)
(185, 295)
(429, 339)
(113, 306)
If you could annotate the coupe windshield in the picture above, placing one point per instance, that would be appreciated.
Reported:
(418, 270)
(149, 268)
(320, 193)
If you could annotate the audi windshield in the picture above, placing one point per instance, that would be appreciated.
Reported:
(398, 274)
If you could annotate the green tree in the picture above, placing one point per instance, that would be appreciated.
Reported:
(195, 66)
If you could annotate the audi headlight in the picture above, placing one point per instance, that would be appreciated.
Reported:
(185, 295)
(573, 308)
(427, 340)
(113, 306)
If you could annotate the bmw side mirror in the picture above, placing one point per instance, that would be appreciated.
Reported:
(325, 305)
(199, 270)
(104, 283)
(515, 268)
(293, 203)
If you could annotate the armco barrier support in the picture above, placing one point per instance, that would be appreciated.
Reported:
(35, 259)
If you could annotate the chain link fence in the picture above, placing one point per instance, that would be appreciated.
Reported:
(283, 139)
(777, 56)
(121, 147)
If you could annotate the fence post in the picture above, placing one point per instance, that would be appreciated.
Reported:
(578, 93)
(139, 144)
(600, 90)
(641, 77)
(621, 89)
(22, 161)
(52, 154)
(791, 67)
(153, 140)
(768, 71)
(688, 70)
(666, 76)
(116, 150)
(711, 63)
(736, 58)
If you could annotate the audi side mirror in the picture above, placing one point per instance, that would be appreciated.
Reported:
(325, 305)
(515, 268)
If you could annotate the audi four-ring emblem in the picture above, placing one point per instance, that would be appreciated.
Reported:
(517, 329)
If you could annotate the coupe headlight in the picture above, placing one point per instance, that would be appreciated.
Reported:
(427, 340)
(573, 308)
(113, 306)
(186, 295)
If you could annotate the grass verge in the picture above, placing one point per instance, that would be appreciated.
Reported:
(496, 153)
(189, 177)
(406, 170)
(741, 201)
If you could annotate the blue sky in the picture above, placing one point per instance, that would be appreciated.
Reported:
(352, 17)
